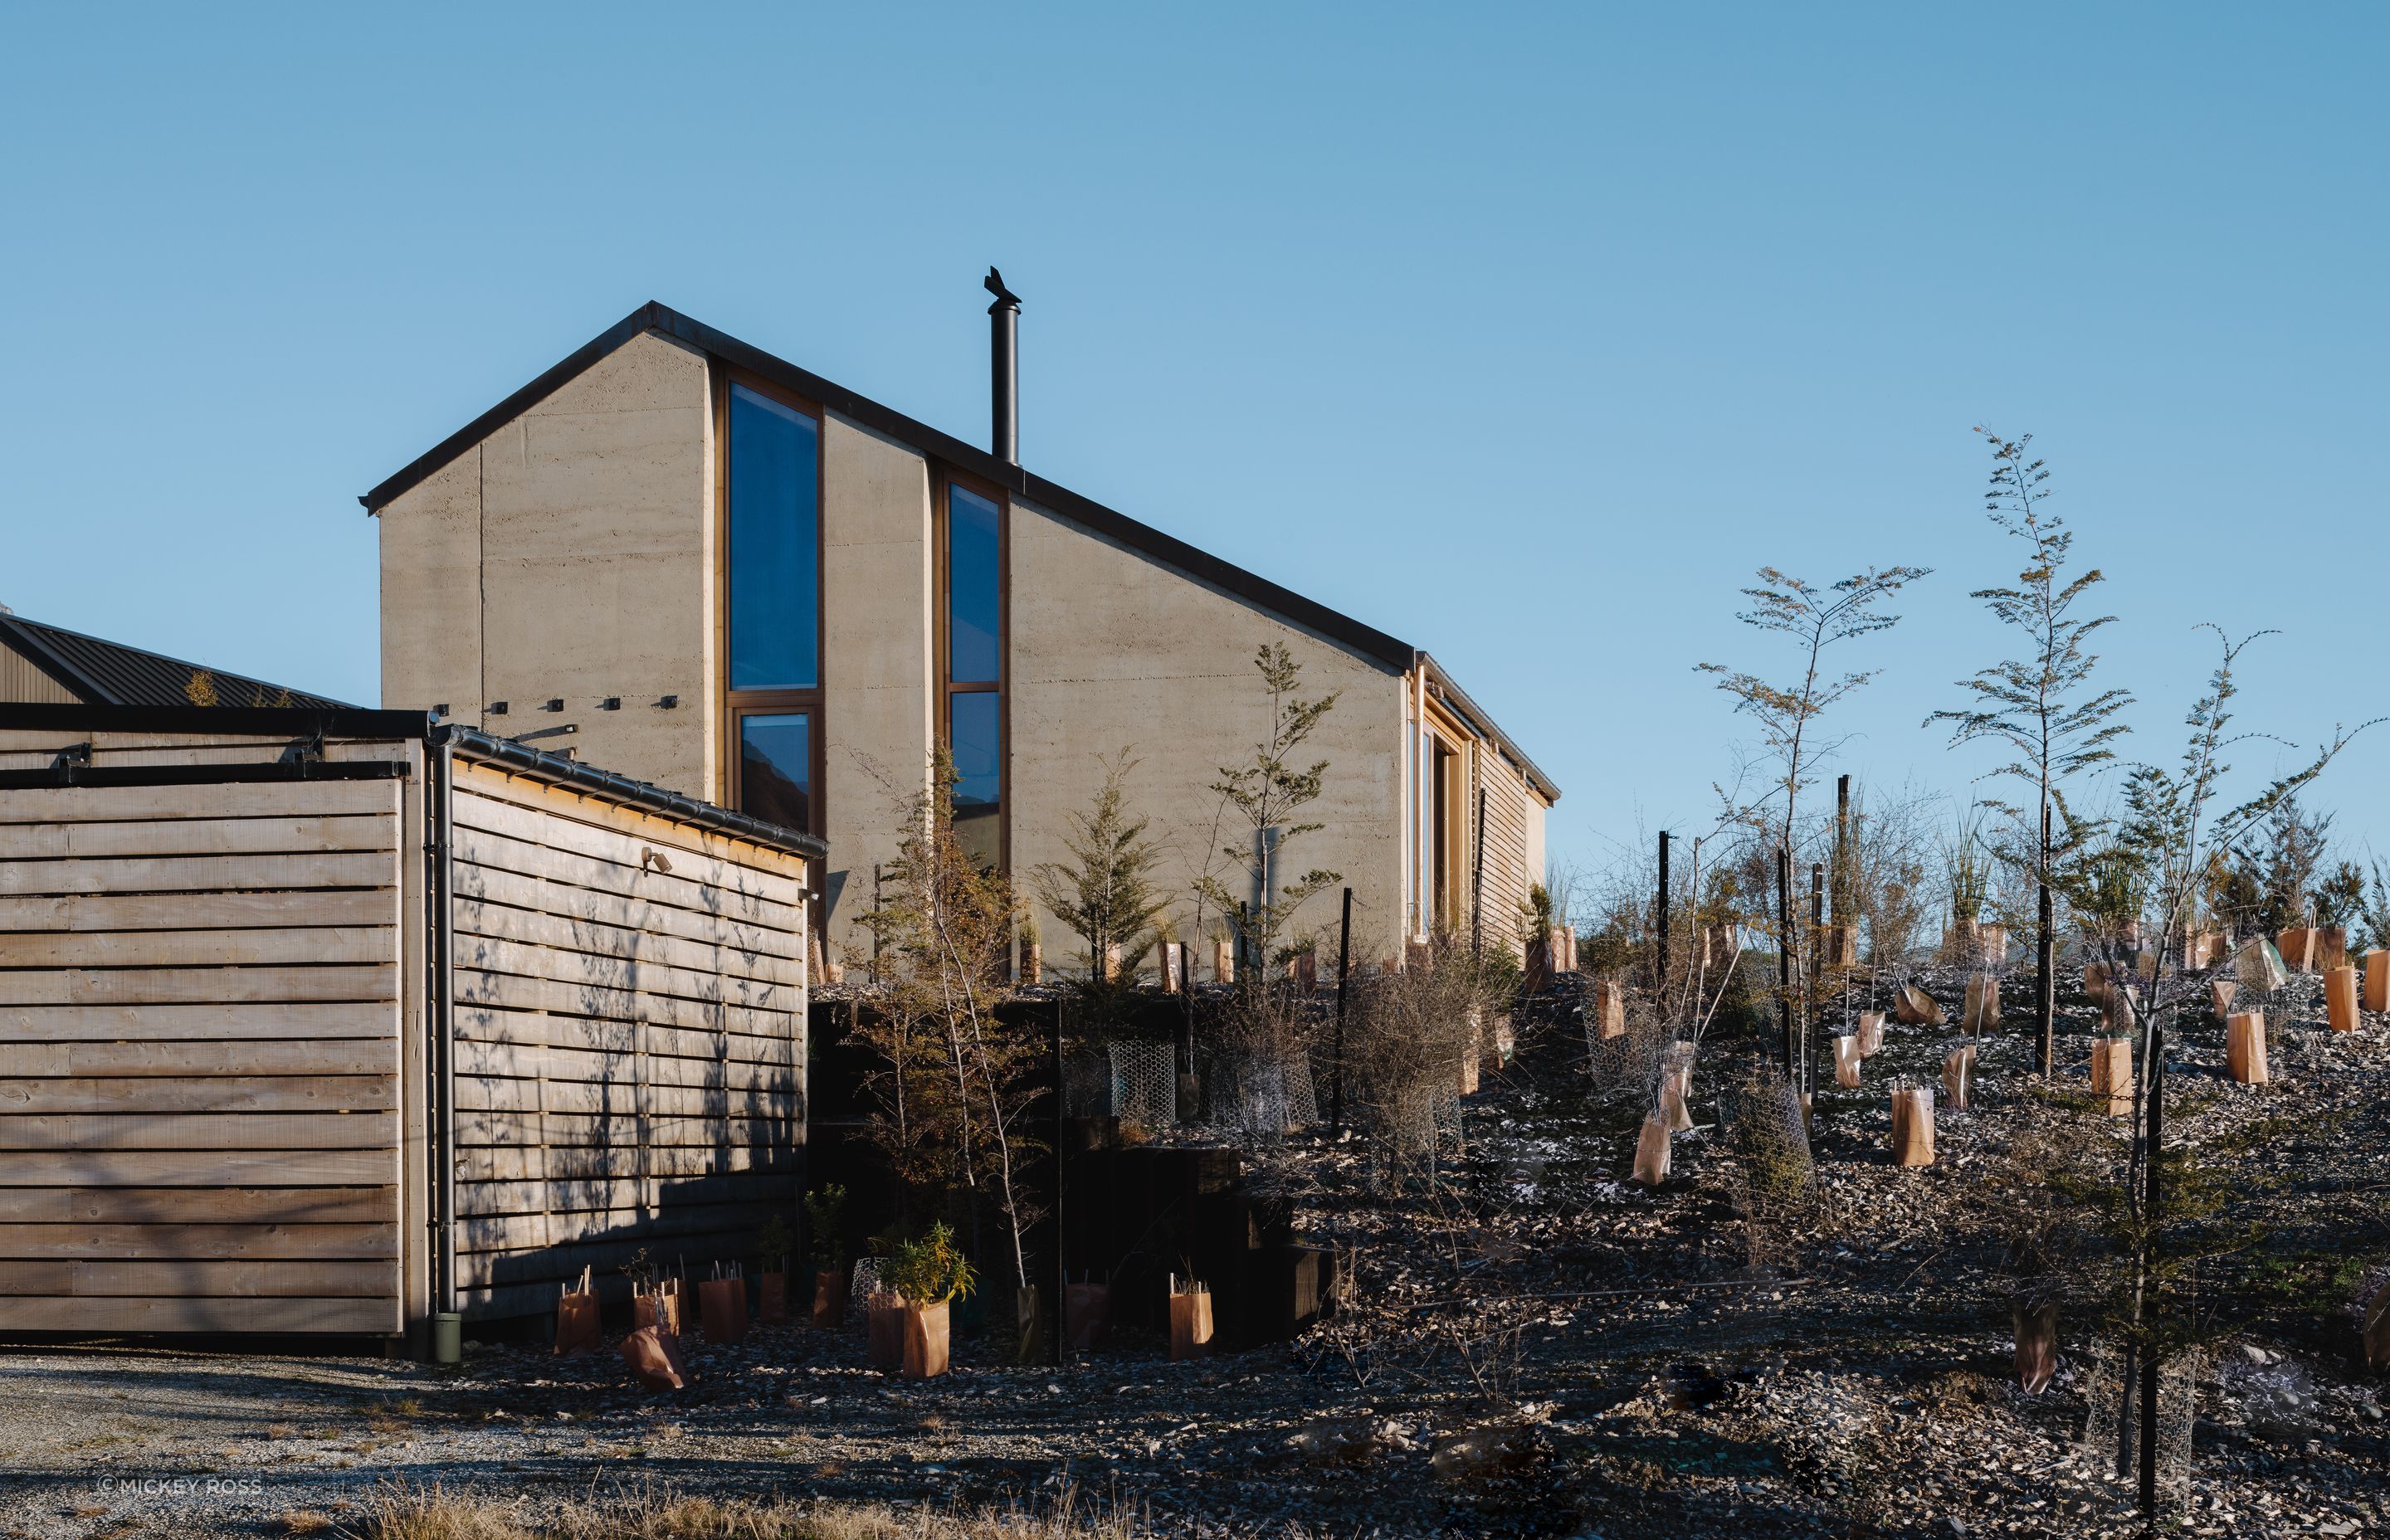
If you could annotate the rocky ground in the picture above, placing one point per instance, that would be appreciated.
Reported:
(1532, 1346)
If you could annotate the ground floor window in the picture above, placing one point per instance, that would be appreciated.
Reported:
(975, 737)
(776, 768)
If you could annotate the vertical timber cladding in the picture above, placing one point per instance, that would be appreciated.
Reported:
(630, 1039)
(1508, 869)
(201, 1053)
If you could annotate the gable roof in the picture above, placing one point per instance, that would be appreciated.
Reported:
(1366, 640)
(110, 673)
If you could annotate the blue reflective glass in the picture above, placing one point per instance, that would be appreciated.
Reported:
(975, 731)
(974, 590)
(776, 769)
(775, 551)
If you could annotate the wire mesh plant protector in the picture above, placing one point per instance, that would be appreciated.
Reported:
(2112, 1432)
(1144, 1082)
(861, 1287)
(1087, 1080)
(1262, 1096)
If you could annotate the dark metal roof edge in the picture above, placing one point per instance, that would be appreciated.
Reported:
(556, 770)
(27, 644)
(1483, 722)
(1167, 549)
(292, 722)
(424, 465)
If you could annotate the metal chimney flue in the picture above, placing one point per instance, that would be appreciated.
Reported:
(1004, 368)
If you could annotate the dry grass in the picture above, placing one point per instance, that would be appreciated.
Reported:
(432, 1513)
(302, 1521)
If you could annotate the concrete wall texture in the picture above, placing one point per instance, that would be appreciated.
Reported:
(1112, 650)
(571, 554)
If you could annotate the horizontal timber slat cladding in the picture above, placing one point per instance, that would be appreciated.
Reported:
(517, 1163)
(481, 1031)
(207, 1131)
(202, 948)
(289, 908)
(82, 1277)
(567, 821)
(508, 1062)
(53, 1313)
(549, 1265)
(237, 1206)
(484, 1200)
(529, 927)
(580, 1226)
(206, 805)
(225, 1092)
(144, 986)
(196, 1020)
(759, 1100)
(576, 808)
(195, 1168)
(200, 837)
(199, 874)
(200, 1241)
(580, 969)
(623, 1129)
(512, 995)
(477, 885)
(331, 1055)
(481, 848)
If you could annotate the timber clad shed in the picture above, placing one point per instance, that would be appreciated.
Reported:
(324, 1020)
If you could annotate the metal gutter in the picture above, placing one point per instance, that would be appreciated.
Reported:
(441, 1029)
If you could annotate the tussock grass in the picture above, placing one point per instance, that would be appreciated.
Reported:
(434, 1513)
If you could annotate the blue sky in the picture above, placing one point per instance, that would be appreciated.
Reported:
(1521, 333)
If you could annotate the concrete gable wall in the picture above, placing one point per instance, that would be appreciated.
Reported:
(1110, 649)
(567, 555)
(877, 666)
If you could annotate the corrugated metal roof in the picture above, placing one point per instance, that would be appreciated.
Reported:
(110, 673)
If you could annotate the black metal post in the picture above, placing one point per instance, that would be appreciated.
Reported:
(1813, 979)
(1839, 897)
(2045, 975)
(876, 902)
(1477, 884)
(1784, 961)
(1344, 968)
(1660, 979)
(2155, 1072)
(1061, 1209)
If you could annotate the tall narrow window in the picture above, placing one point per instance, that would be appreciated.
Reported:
(774, 554)
(974, 648)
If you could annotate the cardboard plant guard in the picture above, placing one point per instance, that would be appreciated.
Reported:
(1190, 1318)
(2297, 949)
(2112, 1073)
(883, 1329)
(926, 1336)
(661, 1310)
(1983, 1009)
(2036, 1346)
(2340, 998)
(655, 1356)
(1847, 1061)
(1869, 1036)
(1613, 1005)
(2220, 992)
(1677, 1087)
(1651, 1151)
(722, 1305)
(2377, 980)
(2244, 1047)
(1959, 1076)
(576, 1317)
(1086, 1314)
(1912, 1125)
(1912, 1007)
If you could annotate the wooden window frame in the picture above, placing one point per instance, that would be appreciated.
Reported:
(732, 707)
(942, 642)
